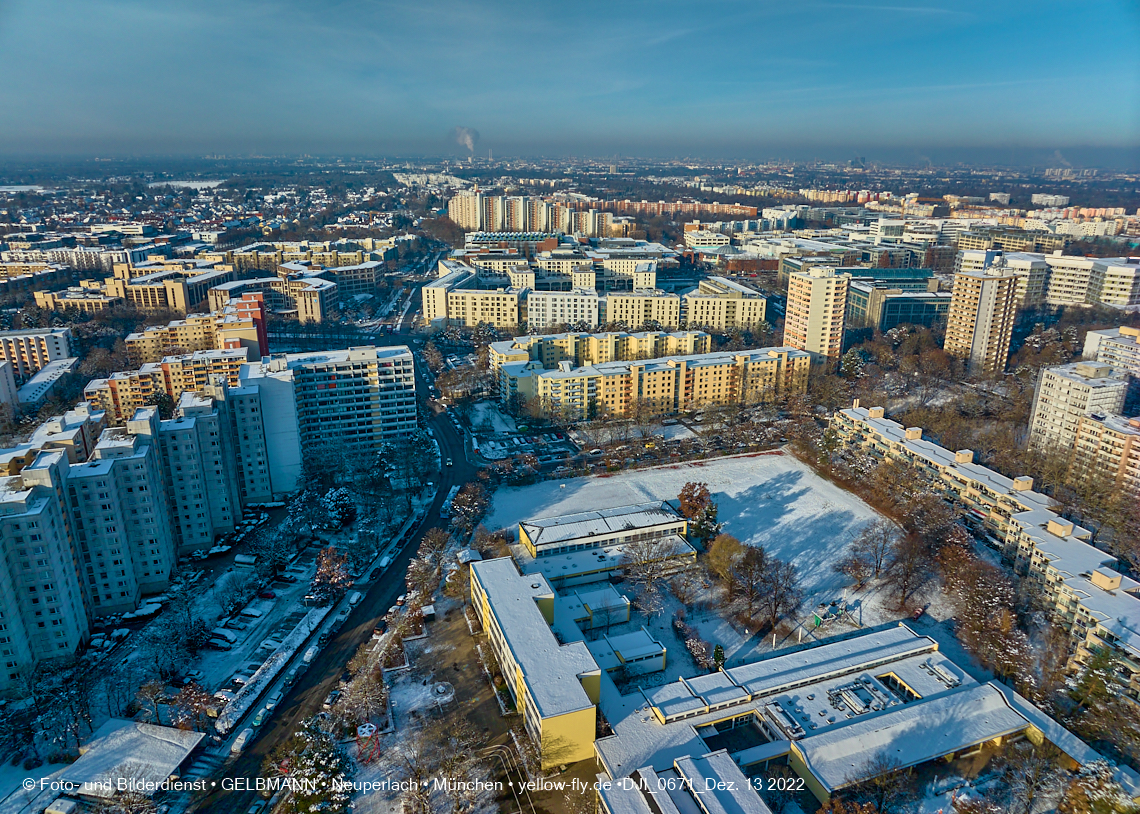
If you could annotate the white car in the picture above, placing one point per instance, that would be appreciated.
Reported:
(240, 742)
(273, 700)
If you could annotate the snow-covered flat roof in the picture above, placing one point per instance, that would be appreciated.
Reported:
(722, 787)
(564, 528)
(552, 670)
(121, 748)
(610, 652)
(910, 734)
(839, 658)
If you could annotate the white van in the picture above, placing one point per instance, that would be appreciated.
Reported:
(310, 654)
(225, 635)
(354, 599)
(384, 563)
(242, 740)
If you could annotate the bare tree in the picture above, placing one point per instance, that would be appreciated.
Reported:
(910, 567)
(780, 593)
(884, 784)
(648, 562)
(875, 543)
(1031, 777)
(152, 692)
(750, 575)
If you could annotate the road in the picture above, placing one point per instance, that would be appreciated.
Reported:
(305, 697)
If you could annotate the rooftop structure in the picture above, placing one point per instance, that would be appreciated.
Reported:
(832, 711)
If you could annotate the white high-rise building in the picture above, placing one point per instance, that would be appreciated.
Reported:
(1066, 394)
(121, 520)
(1031, 270)
(357, 399)
(42, 609)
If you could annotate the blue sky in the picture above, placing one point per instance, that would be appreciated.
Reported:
(719, 77)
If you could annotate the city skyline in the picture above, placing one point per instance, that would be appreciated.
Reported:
(922, 82)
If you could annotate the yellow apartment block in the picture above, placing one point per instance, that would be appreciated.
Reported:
(661, 386)
(816, 310)
(590, 349)
(555, 686)
(1108, 447)
(498, 308)
(980, 323)
(642, 306)
(720, 304)
(1099, 606)
(122, 393)
(213, 331)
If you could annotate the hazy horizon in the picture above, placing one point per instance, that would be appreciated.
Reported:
(974, 82)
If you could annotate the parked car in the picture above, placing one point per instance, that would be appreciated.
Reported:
(289, 579)
(219, 644)
(194, 676)
(260, 717)
(273, 700)
(241, 740)
(376, 572)
(401, 599)
(331, 699)
(266, 594)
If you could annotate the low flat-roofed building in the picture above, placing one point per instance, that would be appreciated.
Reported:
(709, 784)
(149, 753)
(833, 712)
(596, 529)
(84, 299)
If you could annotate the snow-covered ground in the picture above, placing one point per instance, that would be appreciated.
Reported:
(766, 499)
(487, 418)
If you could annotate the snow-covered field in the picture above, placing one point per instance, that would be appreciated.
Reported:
(766, 499)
